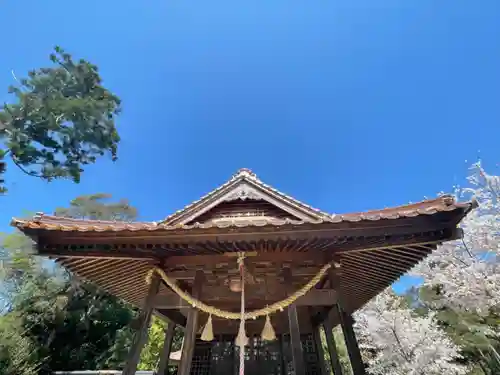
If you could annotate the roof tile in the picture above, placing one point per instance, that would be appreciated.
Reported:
(55, 223)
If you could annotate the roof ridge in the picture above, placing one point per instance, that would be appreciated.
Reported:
(240, 175)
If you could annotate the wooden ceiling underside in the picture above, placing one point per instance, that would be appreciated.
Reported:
(362, 274)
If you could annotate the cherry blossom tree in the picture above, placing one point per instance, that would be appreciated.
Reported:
(464, 275)
(399, 342)
(467, 272)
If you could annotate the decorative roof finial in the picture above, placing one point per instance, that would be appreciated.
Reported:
(244, 172)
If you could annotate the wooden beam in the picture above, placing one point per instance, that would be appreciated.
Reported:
(141, 335)
(173, 316)
(318, 297)
(159, 246)
(315, 297)
(418, 224)
(78, 249)
(171, 302)
(191, 327)
(295, 343)
(167, 348)
(310, 256)
(213, 260)
(76, 254)
(333, 279)
(279, 322)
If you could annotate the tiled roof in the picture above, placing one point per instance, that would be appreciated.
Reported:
(245, 174)
(427, 207)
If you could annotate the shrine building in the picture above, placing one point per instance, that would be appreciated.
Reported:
(247, 266)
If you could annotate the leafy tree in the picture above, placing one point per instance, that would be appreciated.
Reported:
(341, 352)
(98, 207)
(59, 323)
(62, 119)
(17, 350)
(47, 307)
(150, 355)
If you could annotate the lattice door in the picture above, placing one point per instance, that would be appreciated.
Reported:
(221, 357)
(311, 358)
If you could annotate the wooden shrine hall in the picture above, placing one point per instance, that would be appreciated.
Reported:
(247, 266)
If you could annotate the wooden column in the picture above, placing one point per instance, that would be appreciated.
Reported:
(191, 327)
(346, 322)
(319, 349)
(293, 322)
(167, 349)
(282, 356)
(332, 348)
(141, 336)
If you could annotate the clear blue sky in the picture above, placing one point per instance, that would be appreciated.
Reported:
(347, 104)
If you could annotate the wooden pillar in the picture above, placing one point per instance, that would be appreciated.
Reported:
(141, 336)
(191, 327)
(293, 322)
(332, 348)
(319, 350)
(167, 349)
(346, 322)
(282, 355)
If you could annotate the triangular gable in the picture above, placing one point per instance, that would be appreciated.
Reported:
(244, 187)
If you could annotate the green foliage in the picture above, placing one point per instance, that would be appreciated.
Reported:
(17, 354)
(16, 251)
(151, 353)
(74, 325)
(3, 166)
(341, 352)
(477, 335)
(61, 120)
(52, 321)
(98, 207)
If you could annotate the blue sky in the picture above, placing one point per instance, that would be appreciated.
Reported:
(347, 105)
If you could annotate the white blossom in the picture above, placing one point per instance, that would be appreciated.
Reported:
(468, 271)
(403, 343)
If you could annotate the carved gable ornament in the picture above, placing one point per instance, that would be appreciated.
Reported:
(246, 187)
(243, 192)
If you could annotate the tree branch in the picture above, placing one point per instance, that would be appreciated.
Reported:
(21, 167)
(405, 355)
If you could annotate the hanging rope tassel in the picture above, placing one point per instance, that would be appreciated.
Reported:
(208, 332)
(242, 339)
(268, 333)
